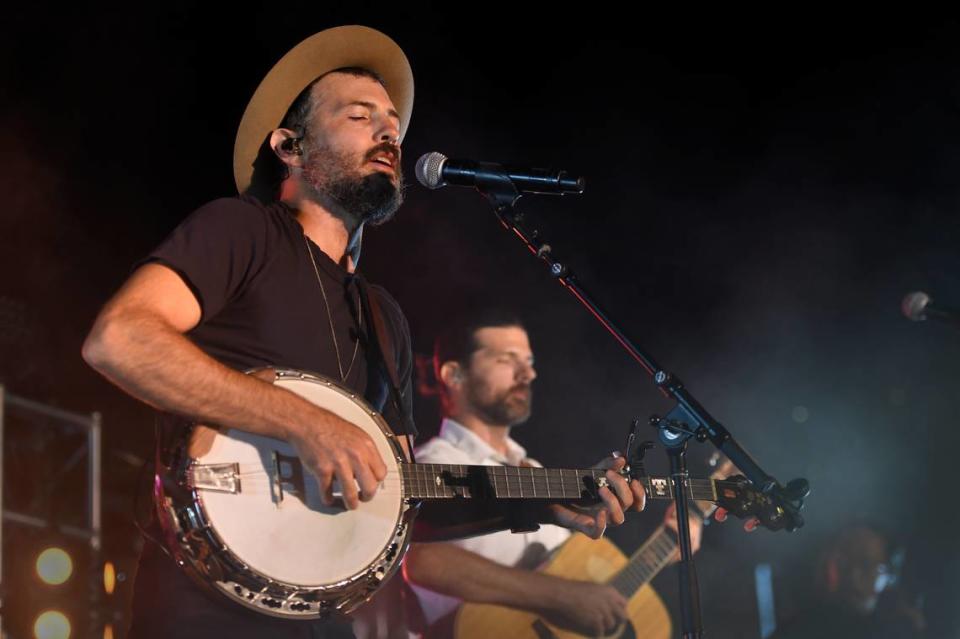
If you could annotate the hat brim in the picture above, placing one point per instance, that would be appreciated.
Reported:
(347, 46)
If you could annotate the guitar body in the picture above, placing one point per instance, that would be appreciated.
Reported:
(579, 558)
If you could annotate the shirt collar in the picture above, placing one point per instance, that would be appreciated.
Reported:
(468, 441)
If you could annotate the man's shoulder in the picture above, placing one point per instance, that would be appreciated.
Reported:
(396, 320)
(238, 210)
(388, 302)
(242, 204)
(440, 451)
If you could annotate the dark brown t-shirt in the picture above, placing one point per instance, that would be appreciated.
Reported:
(248, 265)
(262, 305)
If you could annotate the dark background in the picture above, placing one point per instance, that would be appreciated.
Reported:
(762, 191)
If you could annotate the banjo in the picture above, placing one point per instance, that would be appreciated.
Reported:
(244, 518)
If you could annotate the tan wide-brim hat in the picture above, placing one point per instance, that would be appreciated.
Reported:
(349, 46)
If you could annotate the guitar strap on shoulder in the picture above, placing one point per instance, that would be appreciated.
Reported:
(382, 349)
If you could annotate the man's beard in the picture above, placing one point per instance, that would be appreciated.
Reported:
(372, 198)
(506, 409)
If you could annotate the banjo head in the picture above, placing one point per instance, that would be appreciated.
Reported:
(251, 524)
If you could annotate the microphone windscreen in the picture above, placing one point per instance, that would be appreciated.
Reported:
(914, 306)
(428, 169)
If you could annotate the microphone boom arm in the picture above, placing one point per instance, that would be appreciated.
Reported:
(503, 195)
(688, 419)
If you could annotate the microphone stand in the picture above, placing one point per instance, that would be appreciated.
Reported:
(687, 420)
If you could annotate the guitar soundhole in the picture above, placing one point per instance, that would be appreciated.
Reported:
(625, 631)
(543, 631)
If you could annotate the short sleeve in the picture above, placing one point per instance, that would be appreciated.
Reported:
(217, 250)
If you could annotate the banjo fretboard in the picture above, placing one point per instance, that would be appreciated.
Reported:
(451, 481)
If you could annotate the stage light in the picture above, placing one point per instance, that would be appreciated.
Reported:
(51, 624)
(109, 577)
(54, 566)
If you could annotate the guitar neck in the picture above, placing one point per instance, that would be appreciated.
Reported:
(452, 481)
(652, 557)
(658, 551)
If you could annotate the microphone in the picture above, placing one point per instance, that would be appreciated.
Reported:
(918, 306)
(435, 170)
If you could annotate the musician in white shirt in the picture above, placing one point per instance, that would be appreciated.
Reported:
(485, 368)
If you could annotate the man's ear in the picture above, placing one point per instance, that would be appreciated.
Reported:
(286, 145)
(451, 374)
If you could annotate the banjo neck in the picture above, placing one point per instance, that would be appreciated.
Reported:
(453, 481)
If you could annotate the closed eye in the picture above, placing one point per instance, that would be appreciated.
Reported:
(510, 358)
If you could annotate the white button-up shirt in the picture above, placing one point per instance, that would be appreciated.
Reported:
(458, 445)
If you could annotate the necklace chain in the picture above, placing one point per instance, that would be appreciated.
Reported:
(326, 304)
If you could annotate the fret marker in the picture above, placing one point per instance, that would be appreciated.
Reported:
(659, 486)
(602, 482)
(438, 480)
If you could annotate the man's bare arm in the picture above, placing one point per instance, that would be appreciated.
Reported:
(138, 343)
(585, 607)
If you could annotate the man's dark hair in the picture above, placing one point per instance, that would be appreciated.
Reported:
(458, 341)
